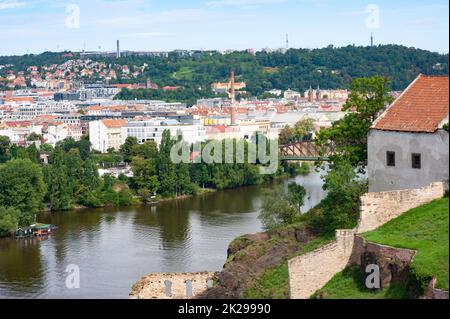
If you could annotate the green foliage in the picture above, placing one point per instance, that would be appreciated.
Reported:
(300, 131)
(277, 210)
(296, 69)
(340, 209)
(348, 136)
(296, 195)
(22, 185)
(445, 127)
(12, 218)
(5, 147)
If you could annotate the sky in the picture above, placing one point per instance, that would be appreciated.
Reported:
(34, 26)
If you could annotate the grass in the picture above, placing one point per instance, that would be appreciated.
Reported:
(274, 282)
(424, 229)
(184, 72)
(348, 284)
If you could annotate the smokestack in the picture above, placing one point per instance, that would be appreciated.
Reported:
(118, 49)
(233, 98)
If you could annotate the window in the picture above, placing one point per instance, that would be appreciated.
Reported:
(416, 161)
(390, 158)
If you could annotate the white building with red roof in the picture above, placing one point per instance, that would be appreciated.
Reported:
(408, 146)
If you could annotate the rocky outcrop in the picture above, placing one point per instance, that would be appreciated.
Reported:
(251, 255)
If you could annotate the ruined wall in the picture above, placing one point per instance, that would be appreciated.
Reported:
(171, 285)
(311, 271)
(379, 208)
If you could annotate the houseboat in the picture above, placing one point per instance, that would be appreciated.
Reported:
(35, 230)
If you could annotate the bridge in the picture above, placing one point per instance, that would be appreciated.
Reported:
(303, 151)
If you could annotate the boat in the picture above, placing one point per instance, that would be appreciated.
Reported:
(35, 230)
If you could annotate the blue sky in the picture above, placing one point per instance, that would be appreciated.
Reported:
(32, 26)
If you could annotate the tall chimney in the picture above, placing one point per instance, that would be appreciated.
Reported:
(233, 98)
(118, 49)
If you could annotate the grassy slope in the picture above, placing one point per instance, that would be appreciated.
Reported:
(424, 229)
(274, 283)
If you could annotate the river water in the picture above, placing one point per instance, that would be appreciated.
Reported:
(114, 247)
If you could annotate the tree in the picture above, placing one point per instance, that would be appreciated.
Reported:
(277, 210)
(126, 149)
(60, 187)
(9, 220)
(144, 174)
(296, 195)
(5, 147)
(340, 209)
(22, 185)
(166, 168)
(348, 136)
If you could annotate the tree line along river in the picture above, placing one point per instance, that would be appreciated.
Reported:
(114, 247)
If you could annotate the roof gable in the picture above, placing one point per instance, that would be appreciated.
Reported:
(420, 108)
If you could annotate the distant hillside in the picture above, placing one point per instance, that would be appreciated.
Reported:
(297, 69)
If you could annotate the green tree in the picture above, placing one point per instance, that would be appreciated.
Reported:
(340, 209)
(348, 136)
(277, 210)
(296, 194)
(144, 174)
(5, 147)
(126, 149)
(22, 185)
(60, 187)
(166, 168)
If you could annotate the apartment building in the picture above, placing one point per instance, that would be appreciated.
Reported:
(106, 134)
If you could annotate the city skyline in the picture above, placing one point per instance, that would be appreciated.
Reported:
(35, 26)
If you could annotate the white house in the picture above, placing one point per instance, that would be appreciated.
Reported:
(407, 145)
(152, 130)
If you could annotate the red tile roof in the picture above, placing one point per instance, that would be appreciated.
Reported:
(420, 108)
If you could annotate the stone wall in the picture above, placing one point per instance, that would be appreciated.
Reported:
(172, 285)
(311, 271)
(379, 208)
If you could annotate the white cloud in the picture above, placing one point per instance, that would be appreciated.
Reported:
(11, 4)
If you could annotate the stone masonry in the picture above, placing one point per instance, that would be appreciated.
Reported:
(310, 272)
(379, 208)
(171, 285)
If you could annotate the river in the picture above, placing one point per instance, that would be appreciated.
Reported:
(114, 247)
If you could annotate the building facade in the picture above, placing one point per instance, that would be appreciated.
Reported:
(106, 134)
(407, 145)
